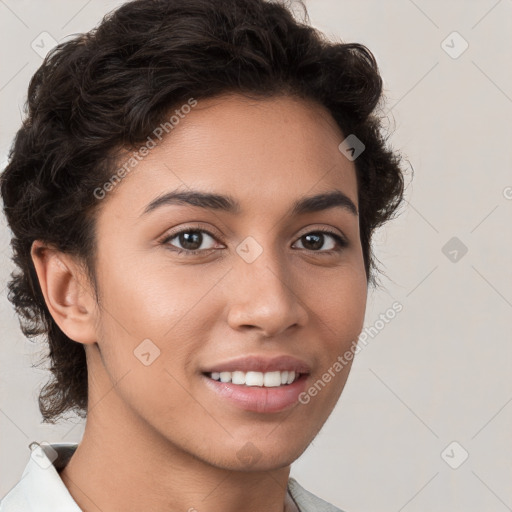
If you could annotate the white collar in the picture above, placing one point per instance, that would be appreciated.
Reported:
(41, 488)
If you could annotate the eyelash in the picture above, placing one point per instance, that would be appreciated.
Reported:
(341, 242)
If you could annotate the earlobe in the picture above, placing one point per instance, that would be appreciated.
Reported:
(67, 294)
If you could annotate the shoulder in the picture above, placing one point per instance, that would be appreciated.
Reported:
(307, 501)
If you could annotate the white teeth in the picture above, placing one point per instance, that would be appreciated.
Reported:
(267, 379)
(238, 378)
(253, 379)
(272, 379)
(225, 376)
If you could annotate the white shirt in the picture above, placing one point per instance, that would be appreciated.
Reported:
(41, 488)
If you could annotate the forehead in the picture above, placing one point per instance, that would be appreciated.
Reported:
(259, 151)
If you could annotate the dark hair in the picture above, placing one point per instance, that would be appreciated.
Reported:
(106, 90)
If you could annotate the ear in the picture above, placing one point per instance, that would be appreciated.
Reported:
(68, 294)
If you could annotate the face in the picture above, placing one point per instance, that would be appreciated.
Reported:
(186, 289)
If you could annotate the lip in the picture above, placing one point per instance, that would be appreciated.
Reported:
(259, 398)
(258, 363)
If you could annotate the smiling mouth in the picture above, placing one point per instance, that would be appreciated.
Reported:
(257, 379)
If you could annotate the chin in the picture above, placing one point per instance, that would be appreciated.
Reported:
(262, 456)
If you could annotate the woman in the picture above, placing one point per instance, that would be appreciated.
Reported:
(192, 198)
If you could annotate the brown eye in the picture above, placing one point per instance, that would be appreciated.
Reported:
(190, 241)
(316, 240)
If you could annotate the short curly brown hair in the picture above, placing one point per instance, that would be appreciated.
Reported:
(107, 89)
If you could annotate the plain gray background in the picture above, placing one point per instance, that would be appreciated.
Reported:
(440, 371)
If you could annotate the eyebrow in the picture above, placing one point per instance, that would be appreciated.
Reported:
(226, 203)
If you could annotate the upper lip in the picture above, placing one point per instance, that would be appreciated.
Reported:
(258, 363)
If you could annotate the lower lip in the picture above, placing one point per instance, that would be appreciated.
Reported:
(259, 399)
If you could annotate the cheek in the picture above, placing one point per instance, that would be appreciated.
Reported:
(160, 309)
(341, 311)
(342, 306)
(155, 300)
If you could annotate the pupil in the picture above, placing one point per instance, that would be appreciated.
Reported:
(318, 240)
(188, 238)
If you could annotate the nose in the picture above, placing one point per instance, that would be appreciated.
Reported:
(264, 296)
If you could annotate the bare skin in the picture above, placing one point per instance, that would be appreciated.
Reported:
(156, 437)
